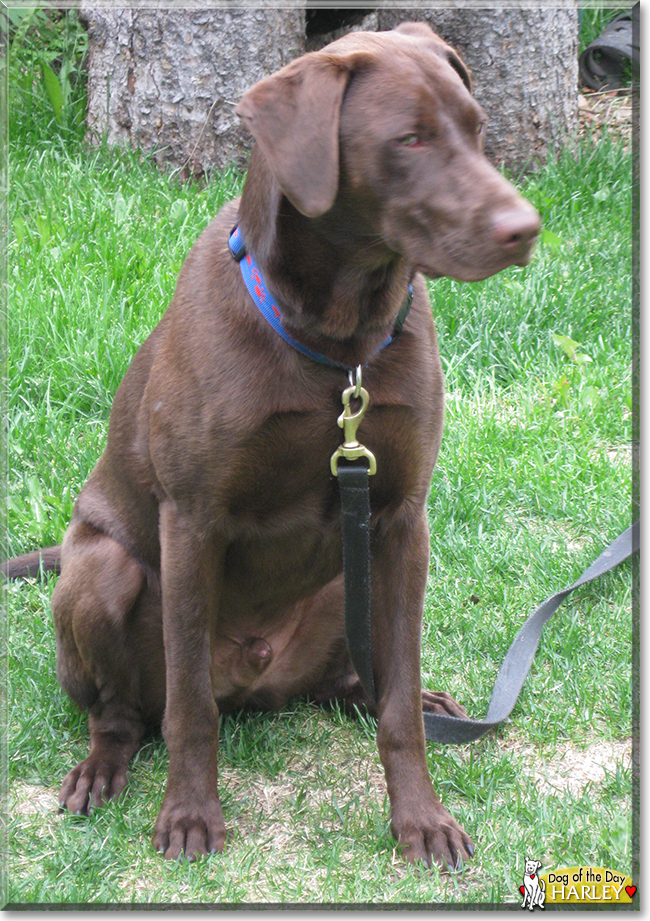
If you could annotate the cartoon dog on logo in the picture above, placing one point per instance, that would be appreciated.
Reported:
(534, 888)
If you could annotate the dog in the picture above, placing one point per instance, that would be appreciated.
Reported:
(534, 888)
(202, 570)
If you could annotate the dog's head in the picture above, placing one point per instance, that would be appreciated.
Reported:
(383, 126)
(531, 866)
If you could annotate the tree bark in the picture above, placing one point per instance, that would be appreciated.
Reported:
(167, 81)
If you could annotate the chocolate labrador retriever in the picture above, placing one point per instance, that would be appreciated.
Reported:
(201, 572)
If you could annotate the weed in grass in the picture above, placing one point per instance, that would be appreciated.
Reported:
(44, 64)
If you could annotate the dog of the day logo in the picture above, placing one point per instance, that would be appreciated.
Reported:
(583, 884)
(533, 889)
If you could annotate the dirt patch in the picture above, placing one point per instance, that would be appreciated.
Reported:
(612, 109)
(564, 540)
(349, 774)
(572, 768)
(620, 454)
(29, 799)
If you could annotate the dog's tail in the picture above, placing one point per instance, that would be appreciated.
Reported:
(32, 565)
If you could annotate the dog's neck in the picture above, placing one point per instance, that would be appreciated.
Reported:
(339, 291)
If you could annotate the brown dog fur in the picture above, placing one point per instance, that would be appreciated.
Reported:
(202, 568)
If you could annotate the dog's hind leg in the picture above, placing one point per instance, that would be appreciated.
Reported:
(340, 684)
(345, 690)
(93, 609)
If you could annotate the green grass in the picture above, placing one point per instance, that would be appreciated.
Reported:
(533, 480)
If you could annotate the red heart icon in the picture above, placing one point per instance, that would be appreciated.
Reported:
(522, 890)
(630, 890)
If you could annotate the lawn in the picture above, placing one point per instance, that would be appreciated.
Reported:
(534, 479)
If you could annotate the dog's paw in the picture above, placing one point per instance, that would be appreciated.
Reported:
(91, 783)
(190, 829)
(434, 837)
(441, 702)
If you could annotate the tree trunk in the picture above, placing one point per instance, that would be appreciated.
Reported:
(167, 81)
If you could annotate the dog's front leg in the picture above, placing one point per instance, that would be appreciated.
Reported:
(423, 827)
(190, 820)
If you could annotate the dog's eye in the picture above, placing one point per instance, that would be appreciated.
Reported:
(410, 140)
(480, 128)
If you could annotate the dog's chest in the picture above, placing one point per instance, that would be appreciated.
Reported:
(282, 510)
(287, 538)
(278, 491)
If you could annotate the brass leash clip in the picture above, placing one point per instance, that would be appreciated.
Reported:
(350, 421)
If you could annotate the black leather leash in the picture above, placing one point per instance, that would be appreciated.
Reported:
(355, 524)
(355, 508)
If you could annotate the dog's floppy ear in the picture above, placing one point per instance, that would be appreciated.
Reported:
(294, 117)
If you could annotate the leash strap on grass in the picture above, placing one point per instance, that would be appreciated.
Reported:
(355, 508)
(519, 657)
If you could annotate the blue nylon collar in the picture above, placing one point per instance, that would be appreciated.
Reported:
(263, 300)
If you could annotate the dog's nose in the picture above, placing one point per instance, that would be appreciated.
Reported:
(516, 230)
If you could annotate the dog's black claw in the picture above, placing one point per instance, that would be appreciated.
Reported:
(469, 849)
